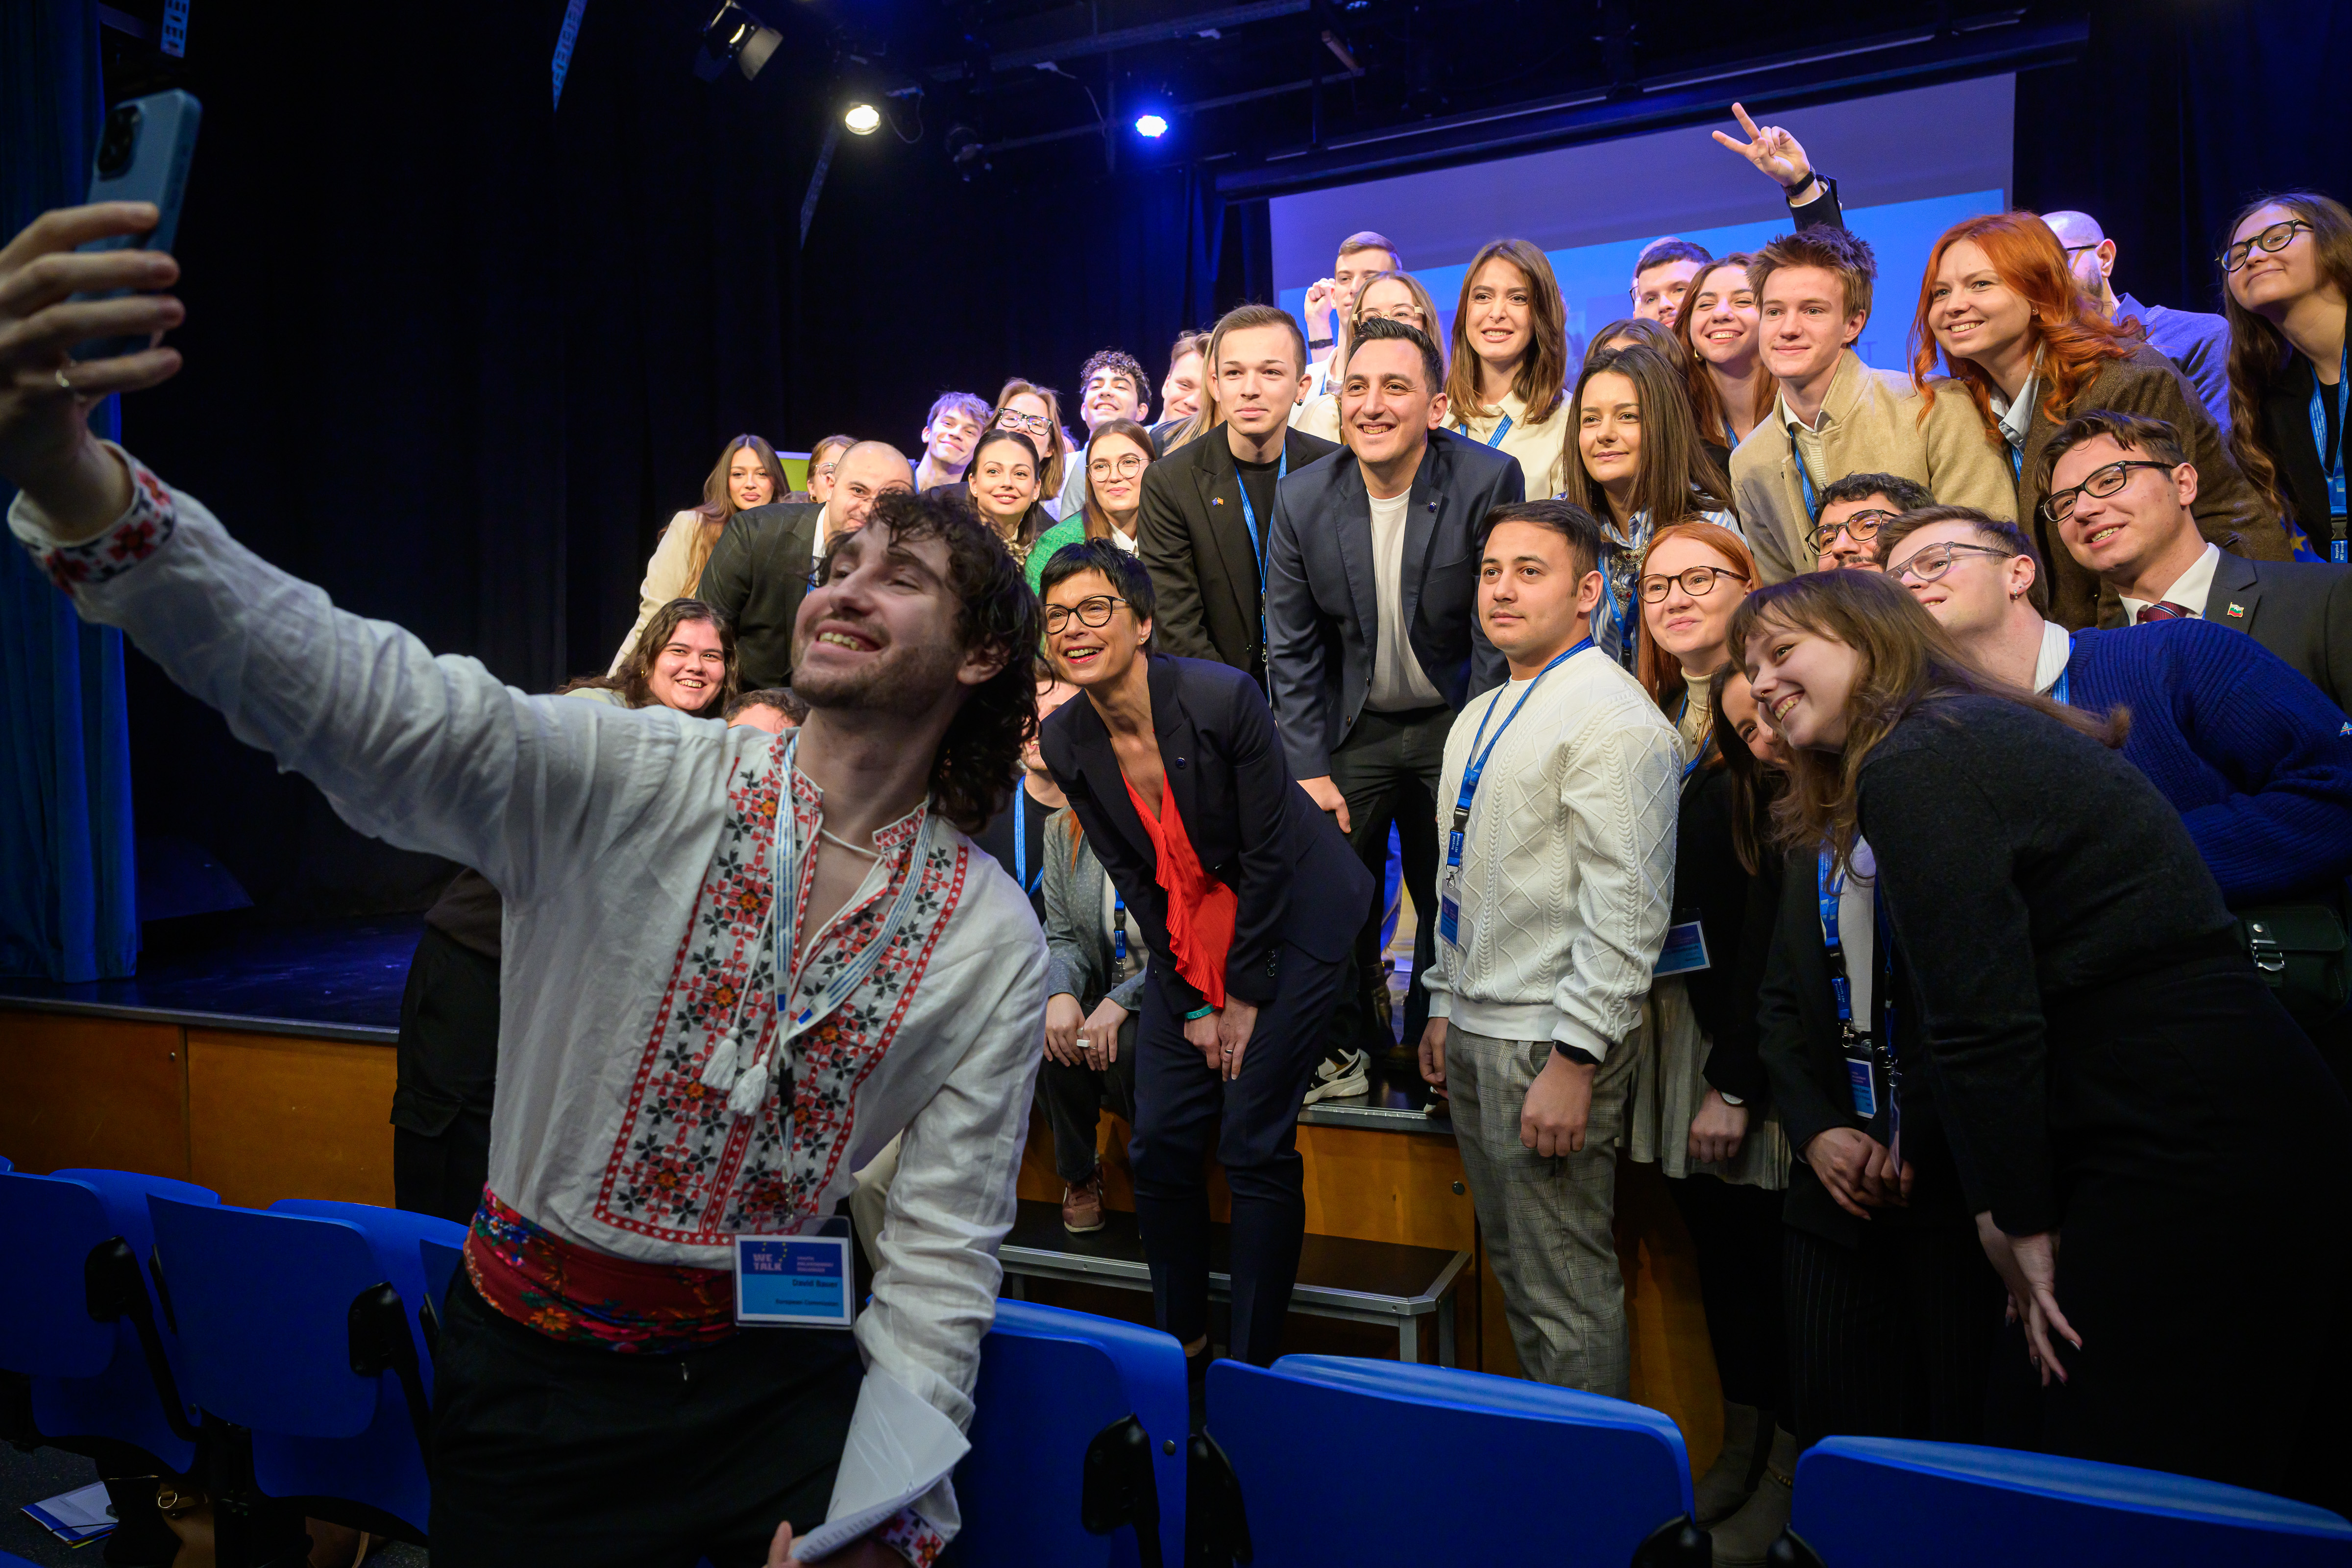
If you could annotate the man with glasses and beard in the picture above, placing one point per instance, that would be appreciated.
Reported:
(1851, 511)
(734, 967)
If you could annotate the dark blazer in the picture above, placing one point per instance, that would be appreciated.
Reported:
(1322, 614)
(1293, 876)
(758, 574)
(1798, 1042)
(2285, 423)
(2300, 610)
(1735, 912)
(2230, 511)
(1190, 537)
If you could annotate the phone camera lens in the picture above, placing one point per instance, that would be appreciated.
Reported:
(120, 140)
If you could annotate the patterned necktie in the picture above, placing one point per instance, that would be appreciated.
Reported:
(2162, 610)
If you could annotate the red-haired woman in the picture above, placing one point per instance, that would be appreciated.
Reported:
(1999, 306)
(2286, 275)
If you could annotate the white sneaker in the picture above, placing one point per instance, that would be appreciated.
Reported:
(1336, 1079)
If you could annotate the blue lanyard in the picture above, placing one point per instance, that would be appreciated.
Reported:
(787, 913)
(1020, 841)
(1118, 924)
(1477, 764)
(2331, 458)
(1805, 479)
(1249, 514)
(1706, 750)
(2058, 691)
(2016, 456)
(1831, 890)
(1497, 439)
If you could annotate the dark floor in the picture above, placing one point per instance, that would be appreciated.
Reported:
(347, 973)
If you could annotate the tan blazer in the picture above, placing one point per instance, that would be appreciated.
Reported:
(1874, 427)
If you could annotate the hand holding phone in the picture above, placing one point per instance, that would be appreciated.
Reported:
(143, 156)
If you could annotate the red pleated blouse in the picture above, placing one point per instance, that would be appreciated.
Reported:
(1200, 908)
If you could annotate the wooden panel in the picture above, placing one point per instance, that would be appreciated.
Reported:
(273, 1117)
(1673, 1364)
(106, 1093)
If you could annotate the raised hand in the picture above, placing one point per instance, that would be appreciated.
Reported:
(1773, 149)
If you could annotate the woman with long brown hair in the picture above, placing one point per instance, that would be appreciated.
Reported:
(2000, 309)
(1702, 1106)
(1638, 465)
(1730, 391)
(1035, 412)
(1507, 370)
(684, 659)
(2286, 277)
(1004, 484)
(2109, 1063)
(746, 475)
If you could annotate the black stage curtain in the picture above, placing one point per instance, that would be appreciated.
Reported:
(458, 358)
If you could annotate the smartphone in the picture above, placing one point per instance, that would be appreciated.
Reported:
(143, 156)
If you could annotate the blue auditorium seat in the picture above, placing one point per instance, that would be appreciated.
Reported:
(442, 1259)
(273, 1307)
(1890, 1503)
(9, 1559)
(92, 1383)
(1503, 1470)
(1050, 1381)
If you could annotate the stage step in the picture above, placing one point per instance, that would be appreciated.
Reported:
(1362, 1281)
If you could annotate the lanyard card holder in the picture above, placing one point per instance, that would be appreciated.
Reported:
(795, 1281)
(1684, 951)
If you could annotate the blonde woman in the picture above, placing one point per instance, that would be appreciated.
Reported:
(1397, 296)
(1034, 411)
(746, 475)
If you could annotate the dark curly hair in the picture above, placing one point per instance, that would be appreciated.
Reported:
(634, 683)
(979, 758)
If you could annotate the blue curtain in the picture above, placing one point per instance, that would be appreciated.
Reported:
(68, 888)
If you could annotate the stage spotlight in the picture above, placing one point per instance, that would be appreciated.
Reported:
(735, 34)
(863, 120)
(1151, 125)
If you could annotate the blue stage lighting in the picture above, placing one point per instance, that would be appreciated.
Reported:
(1151, 125)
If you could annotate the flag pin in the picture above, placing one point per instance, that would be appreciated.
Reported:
(2236, 612)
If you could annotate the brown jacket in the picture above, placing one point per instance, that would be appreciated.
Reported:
(1873, 426)
(2230, 511)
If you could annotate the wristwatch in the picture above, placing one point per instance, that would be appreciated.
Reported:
(1726, 1099)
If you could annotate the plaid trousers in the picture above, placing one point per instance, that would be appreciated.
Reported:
(1549, 1224)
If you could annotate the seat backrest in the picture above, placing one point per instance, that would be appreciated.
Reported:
(441, 1262)
(263, 1303)
(1528, 1472)
(47, 1226)
(396, 1238)
(1900, 1504)
(1050, 1380)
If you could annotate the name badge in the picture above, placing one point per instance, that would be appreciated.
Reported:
(1684, 952)
(1864, 1083)
(794, 1281)
(1449, 910)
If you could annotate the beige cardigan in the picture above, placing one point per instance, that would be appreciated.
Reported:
(666, 578)
(1874, 427)
(1541, 449)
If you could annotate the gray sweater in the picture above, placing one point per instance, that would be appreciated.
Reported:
(1079, 957)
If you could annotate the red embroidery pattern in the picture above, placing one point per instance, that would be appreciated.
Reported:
(682, 1168)
(138, 533)
(910, 1535)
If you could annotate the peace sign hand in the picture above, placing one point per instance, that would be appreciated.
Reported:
(1773, 149)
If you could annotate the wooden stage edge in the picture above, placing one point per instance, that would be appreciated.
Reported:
(259, 1113)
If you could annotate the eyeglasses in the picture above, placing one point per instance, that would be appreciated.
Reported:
(1411, 315)
(1093, 612)
(1013, 419)
(2071, 249)
(2059, 505)
(1858, 526)
(1935, 559)
(1695, 581)
(1126, 468)
(2275, 238)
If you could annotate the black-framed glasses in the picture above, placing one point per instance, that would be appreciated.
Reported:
(2072, 251)
(1013, 419)
(2059, 505)
(1697, 580)
(1095, 612)
(2278, 237)
(1932, 563)
(1857, 526)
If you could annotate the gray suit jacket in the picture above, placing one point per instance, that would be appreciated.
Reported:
(1322, 612)
(758, 571)
(2300, 610)
(1079, 958)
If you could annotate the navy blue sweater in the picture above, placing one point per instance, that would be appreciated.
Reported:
(2256, 760)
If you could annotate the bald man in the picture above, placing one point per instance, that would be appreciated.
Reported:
(2197, 342)
(759, 568)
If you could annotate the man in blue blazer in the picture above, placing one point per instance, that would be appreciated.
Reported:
(1371, 613)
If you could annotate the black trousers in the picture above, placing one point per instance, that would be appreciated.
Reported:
(546, 1451)
(1735, 1231)
(1892, 1338)
(1389, 769)
(2199, 1138)
(1184, 1111)
(1076, 1097)
(447, 1063)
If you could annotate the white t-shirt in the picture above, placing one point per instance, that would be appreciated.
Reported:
(1858, 930)
(1398, 683)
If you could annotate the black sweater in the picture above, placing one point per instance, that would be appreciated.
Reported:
(2020, 861)
(1735, 911)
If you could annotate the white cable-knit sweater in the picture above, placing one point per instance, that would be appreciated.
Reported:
(1567, 863)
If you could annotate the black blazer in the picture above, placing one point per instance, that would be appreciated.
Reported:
(1735, 912)
(1322, 612)
(758, 574)
(1796, 1038)
(1293, 876)
(1190, 537)
(2300, 610)
(2284, 421)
